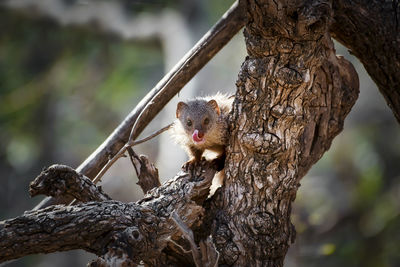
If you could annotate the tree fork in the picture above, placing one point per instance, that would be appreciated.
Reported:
(293, 94)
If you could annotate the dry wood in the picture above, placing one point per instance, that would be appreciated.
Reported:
(204, 256)
(188, 235)
(117, 231)
(64, 182)
(146, 172)
(121, 153)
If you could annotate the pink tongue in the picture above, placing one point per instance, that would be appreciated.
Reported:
(196, 137)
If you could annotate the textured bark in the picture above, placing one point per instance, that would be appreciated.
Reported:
(293, 95)
(371, 30)
(146, 172)
(119, 232)
(63, 182)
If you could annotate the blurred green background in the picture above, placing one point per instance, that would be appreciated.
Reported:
(70, 71)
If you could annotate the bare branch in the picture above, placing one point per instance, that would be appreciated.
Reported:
(63, 181)
(216, 38)
(146, 172)
(209, 253)
(370, 29)
(122, 151)
(135, 231)
(188, 234)
(134, 143)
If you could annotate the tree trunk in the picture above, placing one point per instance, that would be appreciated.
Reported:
(293, 95)
(371, 30)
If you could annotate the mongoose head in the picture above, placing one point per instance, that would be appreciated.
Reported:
(197, 117)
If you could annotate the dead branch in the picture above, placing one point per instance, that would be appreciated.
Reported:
(206, 254)
(216, 38)
(64, 182)
(122, 151)
(135, 231)
(188, 234)
(209, 253)
(146, 172)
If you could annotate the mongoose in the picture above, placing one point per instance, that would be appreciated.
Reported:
(201, 125)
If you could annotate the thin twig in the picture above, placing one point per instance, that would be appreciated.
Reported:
(120, 154)
(188, 234)
(122, 151)
(134, 143)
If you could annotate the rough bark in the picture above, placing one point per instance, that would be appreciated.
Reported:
(63, 182)
(119, 232)
(371, 30)
(293, 95)
(146, 172)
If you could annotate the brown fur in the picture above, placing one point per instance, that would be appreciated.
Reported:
(214, 108)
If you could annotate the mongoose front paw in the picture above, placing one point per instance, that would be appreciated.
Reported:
(190, 165)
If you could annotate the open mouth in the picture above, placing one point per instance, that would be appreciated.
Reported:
(198, 137)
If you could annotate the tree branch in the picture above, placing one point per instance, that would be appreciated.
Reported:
(371, 30)
(146, 172)
(134, 231)
(64, 182)
(188, 234)
(135, 163)
(231, 22)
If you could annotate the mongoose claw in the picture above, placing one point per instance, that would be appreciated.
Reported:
(189, 166)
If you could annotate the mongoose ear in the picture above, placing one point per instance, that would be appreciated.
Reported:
(179, 108)
(214, 105)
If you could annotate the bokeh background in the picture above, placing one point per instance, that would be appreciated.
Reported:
(71, 70)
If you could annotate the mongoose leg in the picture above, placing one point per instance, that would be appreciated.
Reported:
(220, 161)
(196, 157)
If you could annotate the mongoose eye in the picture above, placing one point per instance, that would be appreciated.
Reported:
(189, 123)
(206, 121)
